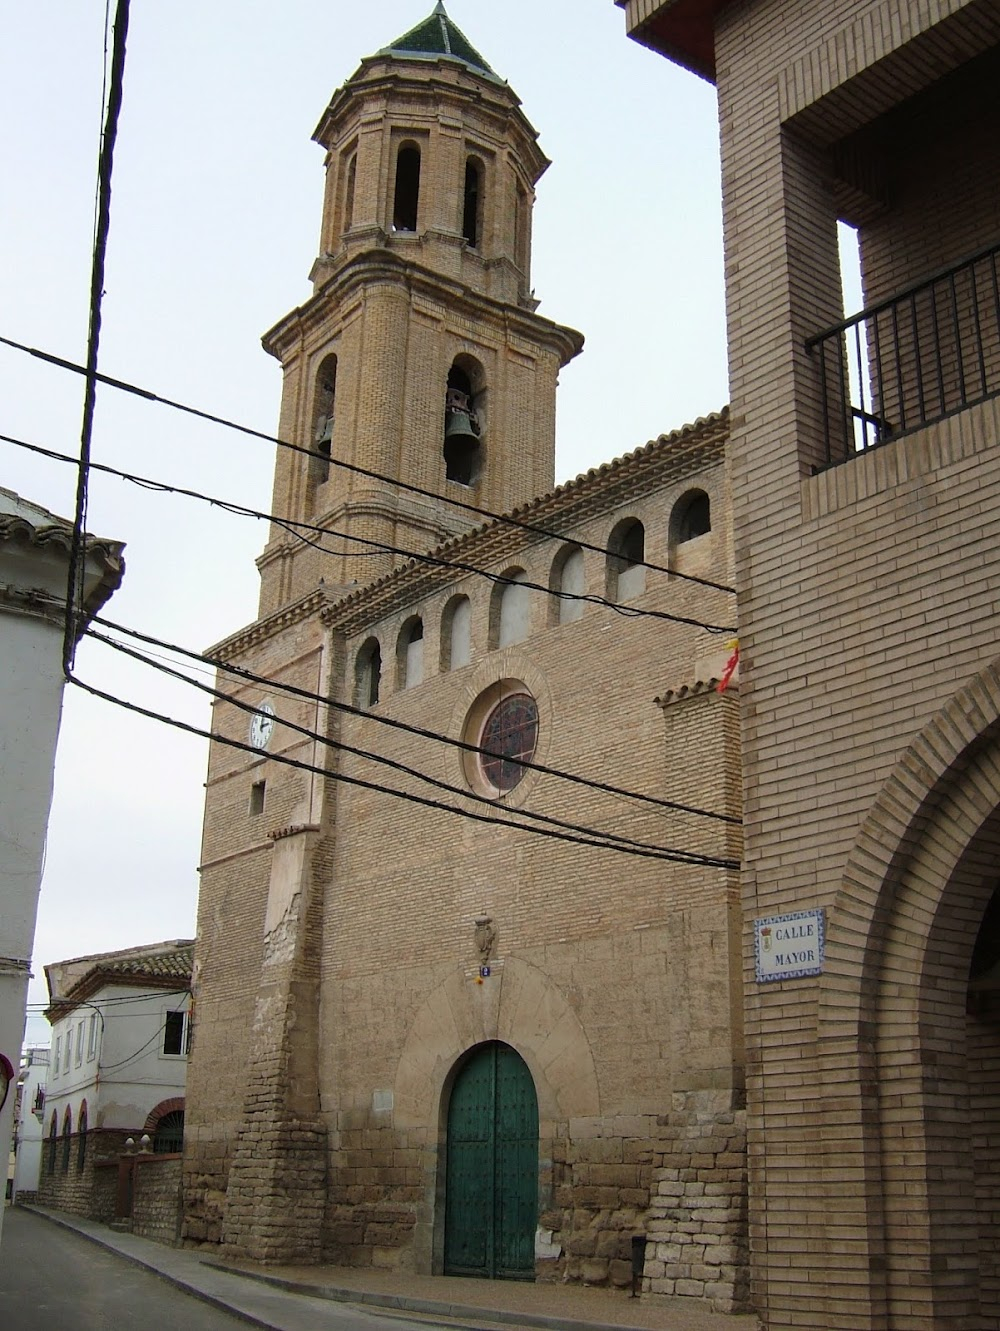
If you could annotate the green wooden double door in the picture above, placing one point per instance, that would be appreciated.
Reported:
(491, 1198)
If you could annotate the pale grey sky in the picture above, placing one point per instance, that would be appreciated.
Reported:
(215, 219)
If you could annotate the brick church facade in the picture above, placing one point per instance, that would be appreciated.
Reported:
(467, 979)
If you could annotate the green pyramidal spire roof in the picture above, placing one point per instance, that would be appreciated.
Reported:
(437, 35)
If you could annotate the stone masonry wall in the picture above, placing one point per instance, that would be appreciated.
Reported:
(697, 1220)
(85, 1191)
(602, 1174)
(156, 1197)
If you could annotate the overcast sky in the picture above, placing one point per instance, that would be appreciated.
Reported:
(215, 218)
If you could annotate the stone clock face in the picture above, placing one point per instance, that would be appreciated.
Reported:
(262, 725)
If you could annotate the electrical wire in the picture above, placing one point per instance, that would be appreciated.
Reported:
(157, 1034)
(105, 1002)
(295, 526)
(407, 796)
(75, 574)
(422, 732)
(507, 519)
(682, 856)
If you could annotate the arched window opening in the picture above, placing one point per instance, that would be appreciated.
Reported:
(410, 653)
(323, 414)
(81, 1143)
(462, 428)
(53, 1139)
(472, 214)
(568, 582)
(368, 674)
(352, 176)
(510, 609)
(67, 1136)
(407, 196)
(626, 553)
(168, 1136)
(456, 633)
(692, 516)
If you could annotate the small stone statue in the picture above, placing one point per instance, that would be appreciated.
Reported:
(485, 937)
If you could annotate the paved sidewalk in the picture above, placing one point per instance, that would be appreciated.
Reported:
(280, 1298)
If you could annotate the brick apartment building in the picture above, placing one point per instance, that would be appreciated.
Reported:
(427, 1036)
(866, 493)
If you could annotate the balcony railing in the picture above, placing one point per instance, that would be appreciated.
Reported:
(931, 349)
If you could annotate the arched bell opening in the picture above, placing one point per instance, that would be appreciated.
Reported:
(324, 410)
(406, 196)
(463, 425)
(490, 1166)
(472, 210)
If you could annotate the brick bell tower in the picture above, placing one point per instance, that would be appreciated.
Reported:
(420, 354)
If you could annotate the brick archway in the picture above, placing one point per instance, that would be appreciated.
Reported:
(891, 1020)
(159, 1111)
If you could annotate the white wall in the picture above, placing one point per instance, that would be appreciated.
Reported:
(30, 1129)
(32, 590)
(129, 1074)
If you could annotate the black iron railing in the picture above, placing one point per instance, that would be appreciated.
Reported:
(931, 349)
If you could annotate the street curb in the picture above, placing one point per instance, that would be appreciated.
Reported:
(424, 1307)
(472, 1315)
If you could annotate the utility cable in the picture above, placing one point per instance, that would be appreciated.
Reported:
(105, 1002)
(75, 575)
(683, 856)
(507, 519)
(422, 732)
(295, 526)
(380, 789)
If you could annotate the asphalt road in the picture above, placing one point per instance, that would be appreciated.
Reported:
(52, 1278)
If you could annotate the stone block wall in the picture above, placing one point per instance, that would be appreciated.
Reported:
(156, 1197)
(601, 1175)
(697, 1220)
(87, 1191)
(205, 1172)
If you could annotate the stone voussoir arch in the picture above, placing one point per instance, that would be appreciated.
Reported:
(520, 1006)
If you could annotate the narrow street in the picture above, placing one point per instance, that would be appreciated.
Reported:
(50, 1277)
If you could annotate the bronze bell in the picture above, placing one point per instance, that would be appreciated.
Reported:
(324, 432)
(460, 419)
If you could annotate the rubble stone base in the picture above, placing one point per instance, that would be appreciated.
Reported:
(277, 1193)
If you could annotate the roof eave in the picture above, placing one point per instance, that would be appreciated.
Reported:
(681, 30)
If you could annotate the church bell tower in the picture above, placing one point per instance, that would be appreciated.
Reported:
(419, 356)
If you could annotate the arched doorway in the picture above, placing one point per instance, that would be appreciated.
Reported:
(491, 1187)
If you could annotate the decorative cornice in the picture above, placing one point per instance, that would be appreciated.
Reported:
(353, 273)
(671, 457)
(701, 688)
(262, 629)
(293, 829)
(438, 77)
(57, 535)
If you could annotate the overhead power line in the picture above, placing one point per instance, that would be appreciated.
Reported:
(683, 856)
(406, 796)
(295, 527)
(242, 672)
(507, 519)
